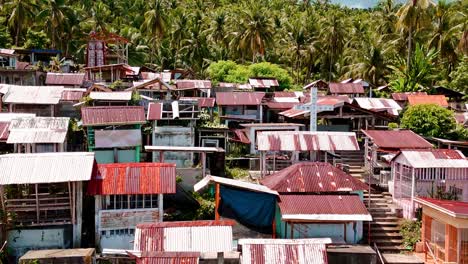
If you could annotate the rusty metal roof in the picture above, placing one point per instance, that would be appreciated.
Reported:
(263, 82)
(284, 251)
(4, 131)
(346, 88)
(462, 118)
(7, 52)
(312, 177)
(64, 79)
(397, 139)
(440, 100)
(193, 84)
(239, 98)
(111, 96)
(379, 104)
(46, 167)
(72, 94)
(187, 236)
(324, 208)
(168, 258)
(17, 94)
(202, 101)
(453, 208)
(240, 136)
(154, 111)
(112, 115)
(38, 130)
(433, 158)
(404, 96)
(306, 141)
(281, 105)
(133, 178)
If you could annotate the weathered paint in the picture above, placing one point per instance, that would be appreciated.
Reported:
(22, 240)
(174, 136)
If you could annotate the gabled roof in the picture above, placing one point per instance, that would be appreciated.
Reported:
(193, 84)
(112, 115)
(73, 94)
(233, 183)
(239, 98)
(17, 94)
(312, 177)
(433, 158)
(440, 100)
(46, 167)
(38, 130)
(404, 96)
(323, 208)
(453, 208)
(72, 79)
(133, 178)
(397, 139)
(346, 88)
(263, 82)
(379, 104)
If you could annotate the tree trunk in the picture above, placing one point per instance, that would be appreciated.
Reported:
(408, 60)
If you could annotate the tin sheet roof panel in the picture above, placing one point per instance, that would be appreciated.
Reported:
(111, 96)
(454, 208)
(154, 111)
(64, 79)
(263, 82)
(72, 94)
(239, 98)
(379, 104)
(346, 88)
(404, 96)
(193, 84)
(397, 139)
(234, 183)
(168, 258)
(440, 100)
(434, 158)
(4, 126)
(32, 94)
(112, 115)
(38, 130)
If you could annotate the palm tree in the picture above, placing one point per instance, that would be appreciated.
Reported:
(55, 14)
(217, 33)
(21, 13)
(155, 21)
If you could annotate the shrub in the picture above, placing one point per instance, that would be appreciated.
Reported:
(411, 233)
(429, 120)
(392, 126)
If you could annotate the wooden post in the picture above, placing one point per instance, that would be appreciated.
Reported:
(203, 164)
(161, 156)
(70, 200)
(217, 201)
(97, 208)
(37, 203)
(78, 215)
(161, 207)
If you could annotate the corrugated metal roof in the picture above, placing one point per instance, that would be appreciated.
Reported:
(240, 136)
(306, 177)
(46, 167)
(72, 94)
(7, 117)
(202, 101)
(346, 88)
(239, 98)
(133, 178)
(281, 105)
(440, 100)
(263, 82)
(70, 79)
(111, 96)
(4, 130)
(187, 236)
(283, 251)
(193, 84)
(154, 111)
(453, 208)
(433, 158)
(379, 104)
(323, 208)
(397, 139)
(7, 52)
(227, 85)
(306, 141)
(260, 125)
(168, 258)
(112, 115)
(183, 149)
(404, 96)
(234, 183)
(38, 130)
(291, 113)
(32, 94)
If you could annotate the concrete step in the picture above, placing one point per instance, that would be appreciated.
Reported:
(373, 209)
(402, 259)
(379, 235)
(386, 242)
(392, 249)
(385, 218)
(384, 224)
(382, 229)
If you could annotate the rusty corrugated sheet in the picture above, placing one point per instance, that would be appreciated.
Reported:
(440, 100)
(133, 178)
(323, 208)
(404, 96)
(462, 118)
(206, 102)
(240, 136)
(227, 85)
(154, 111)
(306, 141)
(38, 130)
(239, 98)
(283, 251)
(379, 104)
(193, 84)
(65, 79)
(291, 113)
(168, 258)
(281, 105)
(18, 94)
(46, 167)
(112, 115)
(434, 158)
(346, 88)
(397, 139)
(312, 177)
(187, 236)
(73, 95)
(263, 82)
(4, 130)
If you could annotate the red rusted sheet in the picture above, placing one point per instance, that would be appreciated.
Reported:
(112, 115)
(193, 84)
(168, 258)
(154, 111)
(240, 136)
(4, 130)
(446, 206)
(346, 88)
(440, 100)
(312, 177)
(404, 96)
(239, 98)
(72, 95)
(263, 82)
(397, 139)
(65, 79)
(133, 178)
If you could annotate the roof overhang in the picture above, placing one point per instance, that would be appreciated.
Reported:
(327, 217)
(233, 183)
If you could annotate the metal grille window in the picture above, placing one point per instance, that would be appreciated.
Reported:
(133, 201)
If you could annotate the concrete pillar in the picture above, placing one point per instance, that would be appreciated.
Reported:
(161, 207)
(79, 221)
(97, 208)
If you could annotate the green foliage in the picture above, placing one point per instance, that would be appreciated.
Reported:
(240, 74)
(116, 85)
(438, 192)
(206, 211)
(236, 173)
(5, 37)
(460, 77)
(266, 69)
(135, 99)
(208, 121)
(36, 40)
(429, 120)
(411, 233)
(220, 69)
(392, 126)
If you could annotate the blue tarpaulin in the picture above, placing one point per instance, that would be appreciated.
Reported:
(250, 208)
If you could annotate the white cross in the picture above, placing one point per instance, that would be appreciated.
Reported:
(314, 108)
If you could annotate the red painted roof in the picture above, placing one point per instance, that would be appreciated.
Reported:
(187, 224)
(346, 88)
(4, 132)
(240, 136)
(168, 258)
(206, 102)
(404, 96)
(312, 177)
(291, 204)
(263, 82)
(133, 178)
(154, 111)
(440, 100)
(193, 84)
(397, 139)
(70, 95)
(112, 115)
(451, 207)
(239, 98)
(70, 79)
(281, 105)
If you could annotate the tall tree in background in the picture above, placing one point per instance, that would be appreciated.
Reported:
(332, 38)
(21, 14)
(56, 16)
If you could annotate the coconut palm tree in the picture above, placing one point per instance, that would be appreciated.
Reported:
(22, 13)
(56, 16)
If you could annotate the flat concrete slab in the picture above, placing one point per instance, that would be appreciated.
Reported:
(402, 259)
